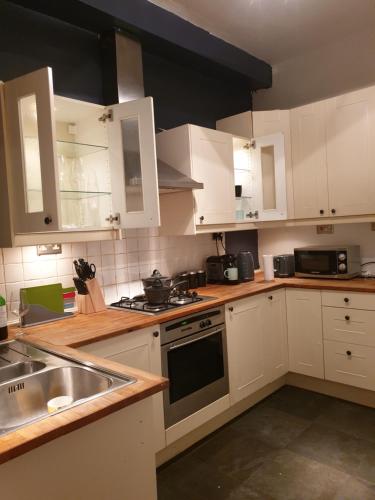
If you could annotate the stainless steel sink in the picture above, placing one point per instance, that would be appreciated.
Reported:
(26, 387)
(16, 370)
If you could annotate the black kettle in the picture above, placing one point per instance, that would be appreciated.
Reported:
(245, 264)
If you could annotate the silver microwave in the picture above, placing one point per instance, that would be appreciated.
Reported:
(341, 262)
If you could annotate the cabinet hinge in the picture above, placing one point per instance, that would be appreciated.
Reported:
(106, 116)
(251, 144)
(114, 219)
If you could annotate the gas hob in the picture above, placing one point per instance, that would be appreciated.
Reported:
(140, 304)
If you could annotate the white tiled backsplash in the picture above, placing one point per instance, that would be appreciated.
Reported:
(120, 264)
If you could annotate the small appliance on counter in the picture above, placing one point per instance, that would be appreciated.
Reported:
(245, 264)
(338, 261)
(216, 266)
(284, 265)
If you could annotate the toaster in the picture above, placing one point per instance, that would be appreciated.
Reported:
(283, 265)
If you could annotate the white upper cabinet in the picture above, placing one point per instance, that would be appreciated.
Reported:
(78, 166)
(132, 156)
(29, 110)
(333, 150)
(350, 135)
(309, 161)
(260, 165)
(269, 160)
(212, 164)
(206, 156)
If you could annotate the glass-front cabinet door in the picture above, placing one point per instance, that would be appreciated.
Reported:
(29, 108)
(269, 160)
(259, 175)
(132, 156)
(76, 165)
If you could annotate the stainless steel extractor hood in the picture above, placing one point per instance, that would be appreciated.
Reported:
(129, 87)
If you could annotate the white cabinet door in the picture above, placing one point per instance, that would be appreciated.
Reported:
(132, 156)
(350, 135)
(31, 152)
(304, 313)
(246, 350)
(271, 122)
(310, 186)
(212, 164)
(141, 350)
(269, 159)
(276, 334)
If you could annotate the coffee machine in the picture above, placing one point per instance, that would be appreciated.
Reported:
(216, 266)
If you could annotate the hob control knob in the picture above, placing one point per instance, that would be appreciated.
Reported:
(208, 322)
(342, 267)
(202, 324)
(342, 257)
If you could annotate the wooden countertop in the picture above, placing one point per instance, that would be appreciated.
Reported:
(85, 329)
(64, 336)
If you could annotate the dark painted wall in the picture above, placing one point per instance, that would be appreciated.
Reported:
(29, 40)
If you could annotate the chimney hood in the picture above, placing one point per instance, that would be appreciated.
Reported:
(129, 72)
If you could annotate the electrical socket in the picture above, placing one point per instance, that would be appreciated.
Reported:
(217, 236)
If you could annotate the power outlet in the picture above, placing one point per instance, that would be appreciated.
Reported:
(325, 229)
(217, 236)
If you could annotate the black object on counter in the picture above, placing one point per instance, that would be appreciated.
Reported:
(193, 279)
(3, 332)
(284, 265)
(245, 264)
(202, 278)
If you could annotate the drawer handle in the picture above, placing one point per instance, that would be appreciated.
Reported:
(347, 318)
(349, 354)
(270, 297)
(346, 300)
(155, 334)
(230, 309)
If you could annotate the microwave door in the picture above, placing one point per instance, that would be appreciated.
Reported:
(316, 262)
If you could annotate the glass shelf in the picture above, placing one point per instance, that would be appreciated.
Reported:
(243, 169)
(77, 150)
(82, 195)
(244, 197)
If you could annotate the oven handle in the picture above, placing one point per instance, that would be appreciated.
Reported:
(196, 340)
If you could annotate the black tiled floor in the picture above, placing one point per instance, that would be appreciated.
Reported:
(294, 445)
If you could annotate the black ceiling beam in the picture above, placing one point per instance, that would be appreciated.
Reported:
(162, 32)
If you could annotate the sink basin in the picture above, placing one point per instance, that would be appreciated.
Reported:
(25, 400)
(16, 370)
(30, 377)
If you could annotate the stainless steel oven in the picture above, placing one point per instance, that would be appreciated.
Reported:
(194, 358)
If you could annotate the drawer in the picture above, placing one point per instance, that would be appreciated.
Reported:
(349, 325)
(352, 300)
(350, 364)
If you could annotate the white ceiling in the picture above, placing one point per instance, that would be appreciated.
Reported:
(277, 30)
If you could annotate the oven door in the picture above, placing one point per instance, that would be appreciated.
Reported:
(316, 262)
(197, 370)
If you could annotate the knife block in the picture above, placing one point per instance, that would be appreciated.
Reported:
(93, 301)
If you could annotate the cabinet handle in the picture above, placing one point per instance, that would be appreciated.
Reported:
(201, 219)
(321, 211)
(47, 220)
(270, 297)
(347, 318)
(349, 353)
(333, 210)
(230, 309)
(155, 334)
(346, 300)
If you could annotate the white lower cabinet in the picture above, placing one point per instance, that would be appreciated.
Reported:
(305, 338)
(350, 364)
(257, 343)
(276, 335)
(246, 346)
(141, 350)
